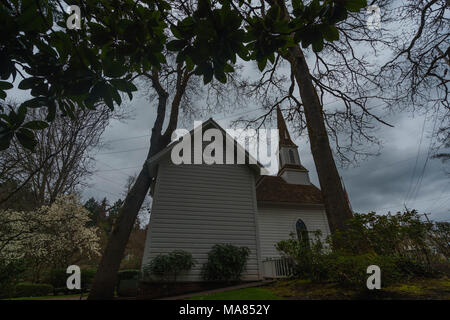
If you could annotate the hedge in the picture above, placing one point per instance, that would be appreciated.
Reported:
(27, 289)
(128, 274)
(58, 278)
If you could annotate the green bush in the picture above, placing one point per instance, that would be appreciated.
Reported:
(10, 273)
(401, 245)
(58, 279)
(309, 260)
(127, 282)
(170, 265)
(351, 271)
(27, 289)
(128, 274)
(87, 277)
(226, 262)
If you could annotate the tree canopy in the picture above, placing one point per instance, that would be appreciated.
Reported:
(65, 69)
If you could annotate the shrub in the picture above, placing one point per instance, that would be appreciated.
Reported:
(401, 245)
(169, 266)
(351, 271)
(308, 257)
(10, 272)
(225, 262)
(127, 282)
(128, 274)
(58, 279)
(87, 276)
(27, 289)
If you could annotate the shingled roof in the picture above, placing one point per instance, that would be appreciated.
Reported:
(275, 189)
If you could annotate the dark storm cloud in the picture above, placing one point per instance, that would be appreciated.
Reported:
(379, 184)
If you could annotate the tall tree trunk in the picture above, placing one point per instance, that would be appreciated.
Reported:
(336, 205)
(105, 278)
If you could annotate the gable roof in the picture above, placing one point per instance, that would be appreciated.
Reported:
(250, 161)
(275, 189)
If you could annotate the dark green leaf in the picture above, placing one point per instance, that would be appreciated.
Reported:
(35, 125)
(4, 85)
(262, 64)
(114, 69)
(355, 5)
(330, 33)
(176, 45)
(26, 138)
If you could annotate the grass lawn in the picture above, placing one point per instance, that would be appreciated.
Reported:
(418, 289)
(61, 297)
(257, 293)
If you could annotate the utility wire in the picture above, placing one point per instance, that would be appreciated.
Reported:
(415, 165)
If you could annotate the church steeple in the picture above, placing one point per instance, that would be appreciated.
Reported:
(290, 167)
(283, 133)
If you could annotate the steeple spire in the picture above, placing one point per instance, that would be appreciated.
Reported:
(290, 168)
(285, 138)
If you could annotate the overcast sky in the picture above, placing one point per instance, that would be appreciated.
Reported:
(400, 175)
(378, 184)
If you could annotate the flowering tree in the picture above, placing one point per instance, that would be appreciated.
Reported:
(52, 236)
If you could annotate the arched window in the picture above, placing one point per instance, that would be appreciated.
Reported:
(291, 156)
(302, 232)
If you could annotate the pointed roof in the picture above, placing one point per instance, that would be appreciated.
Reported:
(285, 138)
(210, 123)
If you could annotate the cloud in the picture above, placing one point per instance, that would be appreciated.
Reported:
(379, 184)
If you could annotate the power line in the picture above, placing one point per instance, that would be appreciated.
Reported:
(415, 165)
(106, 179)
(109, 192)
(114, 169)
(430, 146)
(435, 204)
(426, 200)
(129, 150)
(126, 168)
(230, 116)
(128, 138)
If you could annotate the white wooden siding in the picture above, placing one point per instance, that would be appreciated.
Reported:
(276, 224)
(198, 206)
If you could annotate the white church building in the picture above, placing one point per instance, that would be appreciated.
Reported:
(196, 206)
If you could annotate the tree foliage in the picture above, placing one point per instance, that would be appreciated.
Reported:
(66, 69)
(69, 69)
(51, 236)
(402, 245)
(61, 160)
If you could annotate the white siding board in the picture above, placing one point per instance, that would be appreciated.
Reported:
(276, 224)
(197, 206)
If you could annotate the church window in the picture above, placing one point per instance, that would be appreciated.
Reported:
(291, 156)
(302, 232)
